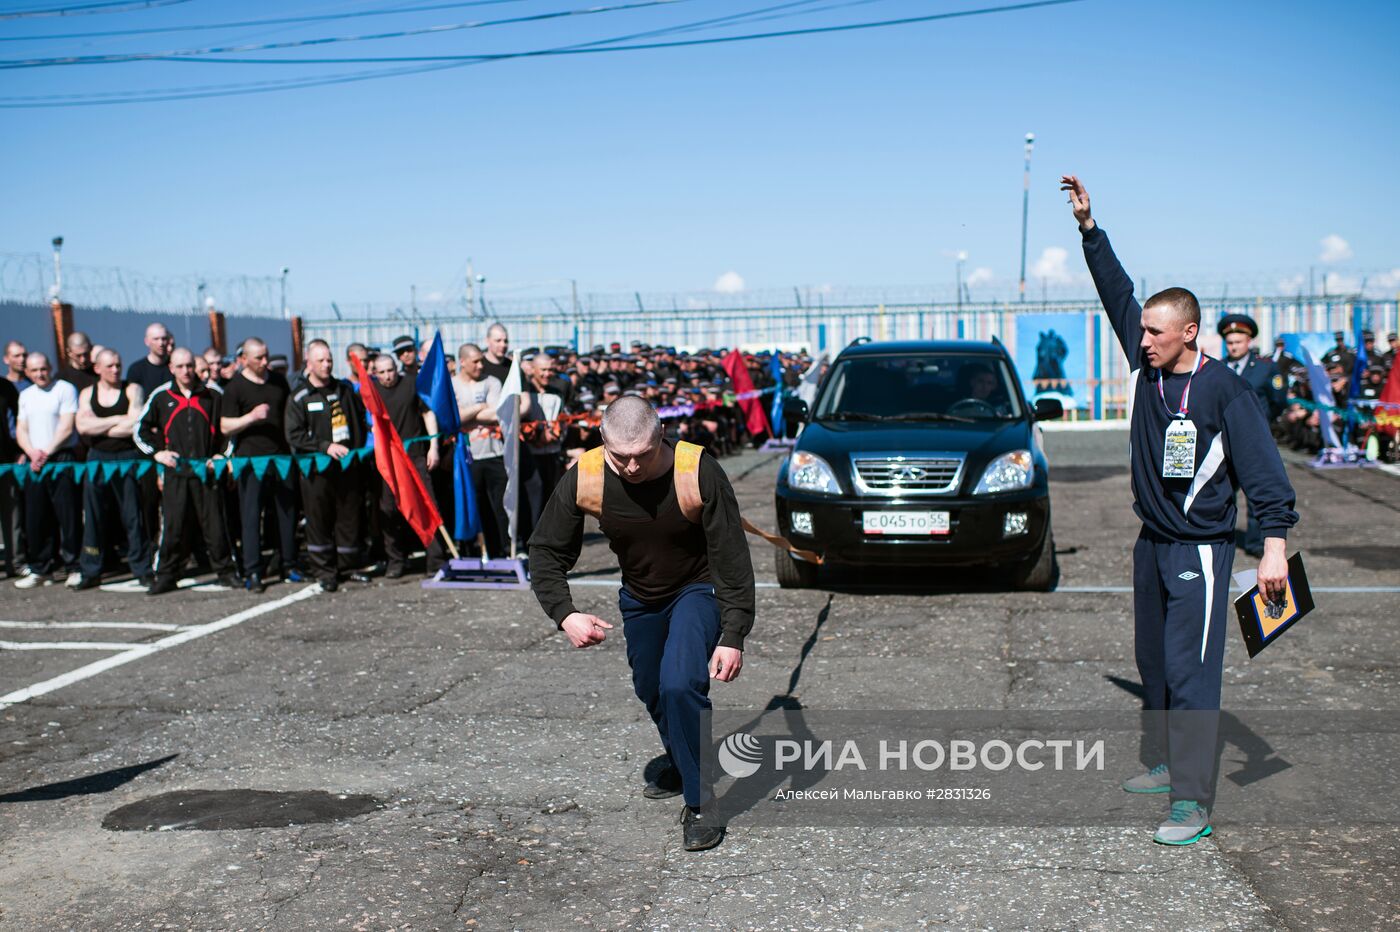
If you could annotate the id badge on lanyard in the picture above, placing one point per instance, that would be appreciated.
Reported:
(1179, 444)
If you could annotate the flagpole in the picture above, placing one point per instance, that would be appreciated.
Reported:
(451, 545)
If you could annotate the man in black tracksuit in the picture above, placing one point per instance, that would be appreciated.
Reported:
(179, 429)
(324, 416)
(1198, 435)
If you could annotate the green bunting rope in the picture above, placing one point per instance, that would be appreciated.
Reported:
(310, 464)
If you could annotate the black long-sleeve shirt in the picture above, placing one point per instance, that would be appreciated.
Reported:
(1234, 448)
(660, 552)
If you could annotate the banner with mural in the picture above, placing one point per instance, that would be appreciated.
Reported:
(1052, 359)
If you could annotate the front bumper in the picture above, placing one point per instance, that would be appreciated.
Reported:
(974, 538)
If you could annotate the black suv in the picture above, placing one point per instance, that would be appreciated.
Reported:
(919, 454)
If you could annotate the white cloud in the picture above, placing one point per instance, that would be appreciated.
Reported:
(695, 304)
(1334, 249)
(730, 282)
(1053, 266)
(1336, 283)
(433, 296)
(1291, 285)
(1388, 280)
(978, 276)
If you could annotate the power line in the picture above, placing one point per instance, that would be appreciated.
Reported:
(330, 40)
(113, 6)
(281, 21)
(595, 49)
(446, 62)
(308, 81)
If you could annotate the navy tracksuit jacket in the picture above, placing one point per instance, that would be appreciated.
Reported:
(1183, 556)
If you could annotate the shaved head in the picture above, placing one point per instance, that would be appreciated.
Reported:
(631, 422)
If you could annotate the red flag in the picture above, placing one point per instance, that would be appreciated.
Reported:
(1388, 408)
(752, 407)
(415, 504)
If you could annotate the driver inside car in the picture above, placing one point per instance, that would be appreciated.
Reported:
(981, 387)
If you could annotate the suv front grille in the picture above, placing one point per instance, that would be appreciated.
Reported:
(894, 475)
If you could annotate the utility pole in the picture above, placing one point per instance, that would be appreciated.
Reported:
(285, 270)
(1025, 210)
(413, 299)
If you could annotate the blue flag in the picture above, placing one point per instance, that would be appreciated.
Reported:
(467, 523)
(1358, 368)
(775, 413)
(435, 388)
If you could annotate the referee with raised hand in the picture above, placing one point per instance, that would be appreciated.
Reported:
(1198, 436)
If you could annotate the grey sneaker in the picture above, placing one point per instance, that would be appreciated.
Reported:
(1156, 780)
(1188, 823)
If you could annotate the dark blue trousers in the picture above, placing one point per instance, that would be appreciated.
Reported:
(1181, 597)
(668, 648)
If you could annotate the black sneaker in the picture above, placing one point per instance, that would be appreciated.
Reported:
(254, 583)
(162, 585)
(394, 572)
(699, 831)
(230, 579)
(148, 580)
(87, 582)
(666, 784)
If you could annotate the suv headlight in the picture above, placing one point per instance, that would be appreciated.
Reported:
(810, 473)
(1007, 473)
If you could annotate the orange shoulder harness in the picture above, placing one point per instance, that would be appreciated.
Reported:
(591, 467)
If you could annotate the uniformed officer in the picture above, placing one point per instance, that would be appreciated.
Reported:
(1198, 436)
(1268, 384)
(1339, 355)
(180, 426)
(324, 416)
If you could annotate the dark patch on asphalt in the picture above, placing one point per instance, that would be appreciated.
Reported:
(217, 810)
(1085, 473)
(103, 782)
(1373, 557)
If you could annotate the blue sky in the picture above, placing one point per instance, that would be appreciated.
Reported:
(1220, 142)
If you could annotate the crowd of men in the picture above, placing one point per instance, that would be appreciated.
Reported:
(189, 413)
(1297, 409)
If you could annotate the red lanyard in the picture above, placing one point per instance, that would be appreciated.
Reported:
(1186, 394)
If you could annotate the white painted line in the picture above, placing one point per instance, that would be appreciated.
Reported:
(143, 650)
(134, 586)
(614, 583)
(1080, 590)
(1055, 427)
(143, 625)
(1391, 468)
(65, 645)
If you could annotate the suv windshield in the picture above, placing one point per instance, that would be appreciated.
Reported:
(926, 386)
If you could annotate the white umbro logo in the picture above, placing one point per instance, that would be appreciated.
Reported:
(1188, 575)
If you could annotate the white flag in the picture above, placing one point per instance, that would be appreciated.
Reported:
(807, 390)
(508, 410)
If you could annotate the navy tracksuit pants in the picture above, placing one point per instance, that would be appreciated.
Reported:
(1181, 596)
(668, 648)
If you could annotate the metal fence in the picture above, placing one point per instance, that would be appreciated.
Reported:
(1093, 368)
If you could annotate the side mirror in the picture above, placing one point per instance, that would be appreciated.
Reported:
(794, 416)
(1048, 409)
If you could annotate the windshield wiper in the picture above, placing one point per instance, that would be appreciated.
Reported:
(854, 416)
(931, 416)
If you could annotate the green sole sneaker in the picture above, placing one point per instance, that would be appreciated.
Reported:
(1156, 780)
(1188, 823)
(1187, 841)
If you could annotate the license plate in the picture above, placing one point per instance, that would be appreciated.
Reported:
(905, 522)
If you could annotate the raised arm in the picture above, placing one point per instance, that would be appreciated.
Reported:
(1114, 285)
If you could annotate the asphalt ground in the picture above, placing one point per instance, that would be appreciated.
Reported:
(510, 765)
